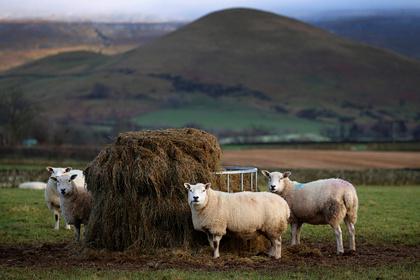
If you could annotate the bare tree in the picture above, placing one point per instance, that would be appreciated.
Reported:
(17, 114)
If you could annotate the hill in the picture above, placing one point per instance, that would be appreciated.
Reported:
(398, 32)
(237, 70)
(23, 41)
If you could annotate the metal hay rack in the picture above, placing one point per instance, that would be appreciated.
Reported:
(242, 171)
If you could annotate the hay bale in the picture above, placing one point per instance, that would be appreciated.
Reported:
(138, 192)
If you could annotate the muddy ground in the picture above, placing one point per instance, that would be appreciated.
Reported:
(73, 255)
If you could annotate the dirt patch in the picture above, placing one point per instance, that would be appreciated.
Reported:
(319, 254)
(322, 159)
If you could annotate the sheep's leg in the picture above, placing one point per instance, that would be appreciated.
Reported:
(210, 239)
(338, 238)
(296, 233)
(216, 242)
(57, 219)
(77, 231)
(68, 226)
(275, 250)
(352, 234)
(271, 250)
(299, 227)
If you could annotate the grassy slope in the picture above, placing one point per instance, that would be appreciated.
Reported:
(224, 117)
(287, 59)
(296, 65)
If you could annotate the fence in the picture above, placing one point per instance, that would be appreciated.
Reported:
(246, 178)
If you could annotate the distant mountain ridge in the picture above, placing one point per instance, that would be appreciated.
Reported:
(42, 34)
(397, 31)
(23, 41)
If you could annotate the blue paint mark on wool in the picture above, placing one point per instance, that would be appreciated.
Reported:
(299, 186)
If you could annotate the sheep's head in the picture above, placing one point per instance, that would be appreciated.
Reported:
(57, 171)
(276, 180)
(64, 183)
(197, 194)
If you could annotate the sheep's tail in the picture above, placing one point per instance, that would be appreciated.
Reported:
(351, 202)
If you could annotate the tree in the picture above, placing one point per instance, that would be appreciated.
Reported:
(17, 114)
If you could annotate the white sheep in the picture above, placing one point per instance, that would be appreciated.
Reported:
(75, 202)
(245, 213)
(51, 195)
(33, 185)
(328, 201)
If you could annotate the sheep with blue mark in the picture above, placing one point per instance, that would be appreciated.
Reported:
(328, 201)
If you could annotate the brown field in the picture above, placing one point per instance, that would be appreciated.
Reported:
(321, 159)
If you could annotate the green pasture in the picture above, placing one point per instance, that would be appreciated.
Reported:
(387, 216)
(393, 271)
(230, 118)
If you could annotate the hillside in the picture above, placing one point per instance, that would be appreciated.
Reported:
(23, 41)
(399, 32)
(232, 70)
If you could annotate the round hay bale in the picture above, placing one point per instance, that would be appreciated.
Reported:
(137, 187)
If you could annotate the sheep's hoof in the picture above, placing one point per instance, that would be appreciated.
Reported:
(350, 253)
(262, 254)
(340, 253)
(68, 227)
(274, 255)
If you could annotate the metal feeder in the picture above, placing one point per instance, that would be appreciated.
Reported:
(243, 171)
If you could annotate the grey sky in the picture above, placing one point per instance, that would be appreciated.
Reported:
(155, 10)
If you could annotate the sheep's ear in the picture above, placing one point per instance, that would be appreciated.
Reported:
(287, 174)
(54, 179)
(266, 173)
(72, 177)
(68, 169)
(207, 186)
(50, 169)
(187, 186)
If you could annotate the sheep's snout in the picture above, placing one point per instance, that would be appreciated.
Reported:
(272, 188)
(195, 198)
(63, 191)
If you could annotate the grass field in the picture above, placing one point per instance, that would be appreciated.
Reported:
(388, 230)
(232, 117)
(388, 272)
